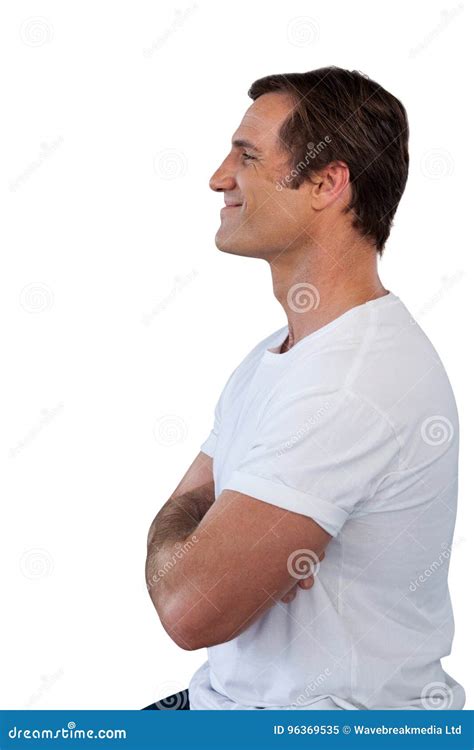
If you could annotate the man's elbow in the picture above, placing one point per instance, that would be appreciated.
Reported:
(182, 637)
(191, 627)
(176, 615)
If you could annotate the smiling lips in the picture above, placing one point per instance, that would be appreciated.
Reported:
(230, 204)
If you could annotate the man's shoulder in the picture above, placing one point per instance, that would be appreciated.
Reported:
(269, 341)
(257, 351)
(247, 365)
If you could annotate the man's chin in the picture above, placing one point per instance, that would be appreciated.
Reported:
(234, 248)
(244, 250)
(228, 244)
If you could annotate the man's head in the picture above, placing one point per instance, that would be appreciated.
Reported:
(317, 155)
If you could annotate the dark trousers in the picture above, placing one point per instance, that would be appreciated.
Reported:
(177, 702)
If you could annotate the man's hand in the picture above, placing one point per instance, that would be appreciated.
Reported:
(305, 583)
(241, 559)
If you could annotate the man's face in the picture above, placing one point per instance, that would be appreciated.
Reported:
(262, 219)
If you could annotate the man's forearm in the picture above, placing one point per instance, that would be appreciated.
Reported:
(168, 538)
(180, 515)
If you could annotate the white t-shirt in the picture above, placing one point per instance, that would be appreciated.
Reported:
(355, 426)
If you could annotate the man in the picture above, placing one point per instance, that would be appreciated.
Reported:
(335, 438)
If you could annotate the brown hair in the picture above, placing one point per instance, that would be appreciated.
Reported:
(342, 115)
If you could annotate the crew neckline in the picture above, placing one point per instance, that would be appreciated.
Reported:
(270, 355)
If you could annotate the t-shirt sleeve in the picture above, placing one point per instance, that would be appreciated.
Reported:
(318, 454)
(209, 445)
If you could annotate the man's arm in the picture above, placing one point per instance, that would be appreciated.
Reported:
(239, 560)
(170, 533)
(198, 484)
(199, 473)
(179, 516)
(175, 523)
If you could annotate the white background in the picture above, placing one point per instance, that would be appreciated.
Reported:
(122, 321)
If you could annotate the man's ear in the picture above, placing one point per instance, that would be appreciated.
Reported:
(329, 184)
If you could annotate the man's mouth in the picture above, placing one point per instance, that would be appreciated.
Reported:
(229, 206)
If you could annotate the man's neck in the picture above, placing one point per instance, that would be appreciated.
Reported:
(314, 296)
(335, 312)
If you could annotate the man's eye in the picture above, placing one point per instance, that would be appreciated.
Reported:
(248, 157)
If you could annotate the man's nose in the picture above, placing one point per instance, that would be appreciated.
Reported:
(223, 178)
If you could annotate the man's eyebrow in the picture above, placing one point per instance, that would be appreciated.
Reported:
(242, 143)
